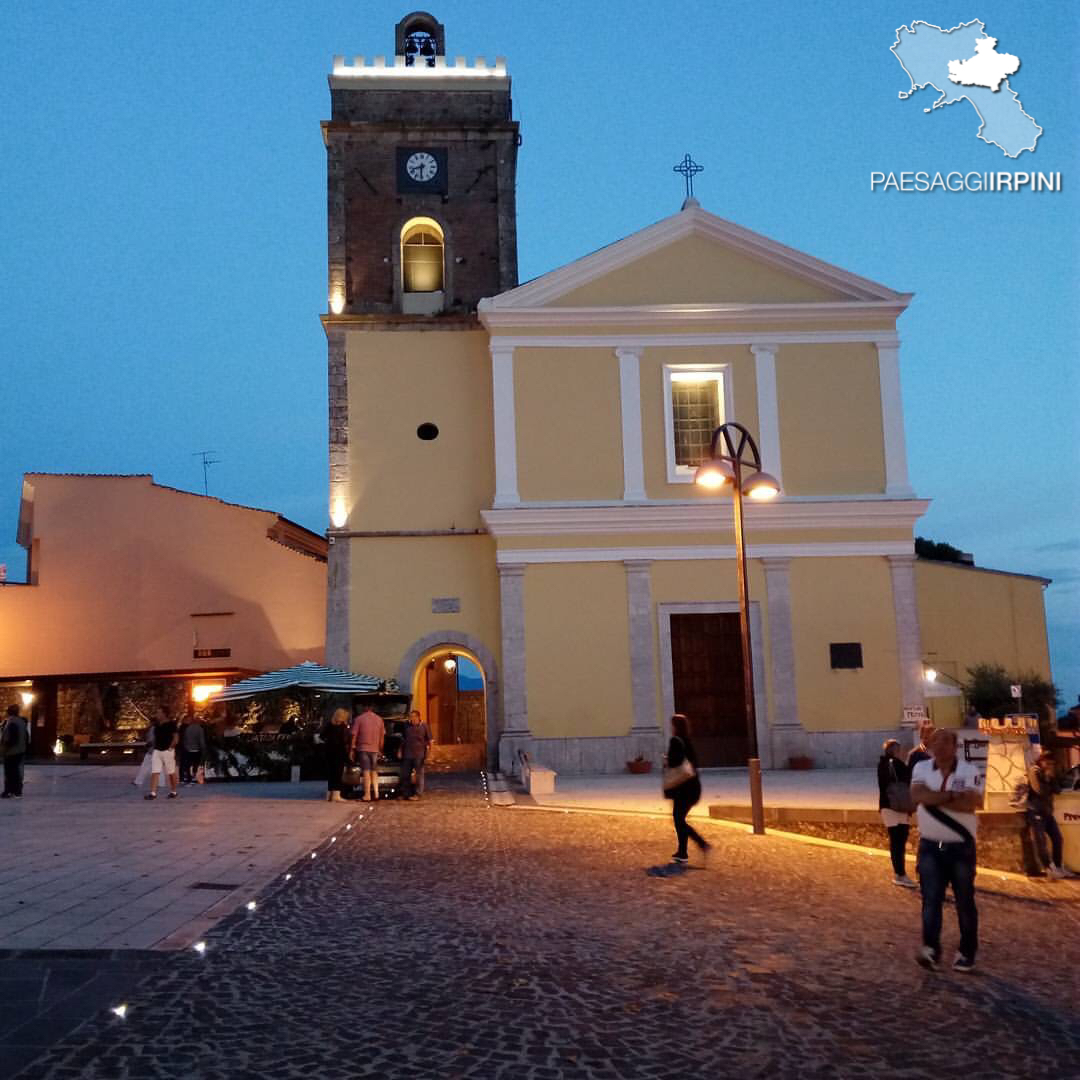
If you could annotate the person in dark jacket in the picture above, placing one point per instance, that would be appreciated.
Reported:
(1042, 786)
(892, 769)
(414, 749)
(15, 739)
(685, 795)
(335, 736)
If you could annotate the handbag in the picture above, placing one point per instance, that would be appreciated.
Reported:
(676, 775)
(898, 794)
(352, 776)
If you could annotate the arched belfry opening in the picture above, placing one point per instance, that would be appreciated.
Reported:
(423, 264)
(419, 37)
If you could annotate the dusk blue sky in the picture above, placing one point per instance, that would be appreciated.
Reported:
(163, 235)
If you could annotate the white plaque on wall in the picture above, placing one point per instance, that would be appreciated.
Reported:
(446, 605)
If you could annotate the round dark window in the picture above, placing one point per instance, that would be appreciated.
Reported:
(427, 432)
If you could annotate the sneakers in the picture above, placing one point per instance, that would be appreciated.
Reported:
(962, 963)
(1059, 872)
(927, 958)
(173, 794)
(680, 858)
(152, 795)
(904, 882)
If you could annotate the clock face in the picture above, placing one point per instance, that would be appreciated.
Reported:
(421, 167)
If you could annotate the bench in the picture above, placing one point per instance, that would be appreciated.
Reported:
(537, 779)
(124, 748)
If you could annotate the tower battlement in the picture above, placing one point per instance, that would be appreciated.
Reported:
(380, 67)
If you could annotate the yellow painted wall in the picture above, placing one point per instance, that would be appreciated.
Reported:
(569, 428)
(125, 564)
(844, 600)
(742, 398)
(398, 381)
(392, 583)
(695, 269)
(969, 616)
(831, 438)
(578, 650)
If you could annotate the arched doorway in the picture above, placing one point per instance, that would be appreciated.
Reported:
(449, 692)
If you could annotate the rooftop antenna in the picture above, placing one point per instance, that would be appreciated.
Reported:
(207, 461)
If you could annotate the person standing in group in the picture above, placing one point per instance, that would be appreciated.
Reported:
(335, 736)
(148, 758)
(192, 749)
(921, 751)
(163, 760)
(947, 792)
(1039, 815)
(683, 786)
(368, 733)
(14, 741)
(414, 749)
(894, 802)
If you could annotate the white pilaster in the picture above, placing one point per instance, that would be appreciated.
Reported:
(643, 684)
(781, 642)
(512, 611)
(630, 400)
(768, 410)
(908, 639)
(502, 381)
(892, 420)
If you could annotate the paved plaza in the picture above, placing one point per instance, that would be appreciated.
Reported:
(454, 938)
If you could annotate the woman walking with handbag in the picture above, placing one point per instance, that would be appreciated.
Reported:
(894, 802)
(336, 739)
(682, 786)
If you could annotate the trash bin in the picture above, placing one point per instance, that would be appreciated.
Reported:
(1067, 812)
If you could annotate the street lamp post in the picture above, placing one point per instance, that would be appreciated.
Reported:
(734, 460)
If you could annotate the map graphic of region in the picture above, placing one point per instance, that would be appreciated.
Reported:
(962, 64)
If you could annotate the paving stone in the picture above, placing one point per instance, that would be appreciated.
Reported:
(448, 939)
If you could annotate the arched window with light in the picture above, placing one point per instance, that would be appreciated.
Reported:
(422, 266)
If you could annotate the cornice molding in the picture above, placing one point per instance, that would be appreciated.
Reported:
(607, 339)
(700, 517)
(689, 314)
(521, 557)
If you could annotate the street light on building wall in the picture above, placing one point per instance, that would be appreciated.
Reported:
(735, 464)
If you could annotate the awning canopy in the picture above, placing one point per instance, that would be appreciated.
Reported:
(306, 676)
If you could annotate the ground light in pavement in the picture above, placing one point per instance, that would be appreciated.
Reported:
(200, 947)
(119, 1010)
(250, 905)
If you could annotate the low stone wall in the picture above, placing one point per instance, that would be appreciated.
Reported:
(999, 844)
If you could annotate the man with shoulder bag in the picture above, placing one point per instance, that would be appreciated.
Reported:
(947, 793)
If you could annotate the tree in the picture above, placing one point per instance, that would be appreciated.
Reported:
(988, 691)
(939, 552)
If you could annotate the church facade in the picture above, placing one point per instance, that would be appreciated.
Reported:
(511, 466)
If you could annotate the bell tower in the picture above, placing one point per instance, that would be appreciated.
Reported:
(421, 162)
(421, 157)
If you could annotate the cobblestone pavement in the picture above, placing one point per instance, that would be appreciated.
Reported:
(447, 938)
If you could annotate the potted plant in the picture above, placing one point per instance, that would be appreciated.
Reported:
(639, 765)
(800, 761)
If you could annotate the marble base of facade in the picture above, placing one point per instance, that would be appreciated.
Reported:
(585, 754)
(833, 749)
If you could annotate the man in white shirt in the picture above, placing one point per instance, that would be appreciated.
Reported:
(947, 792)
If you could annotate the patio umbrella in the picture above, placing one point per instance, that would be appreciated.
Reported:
(305, 676)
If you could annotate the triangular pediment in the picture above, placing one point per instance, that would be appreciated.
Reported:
(693, 258)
